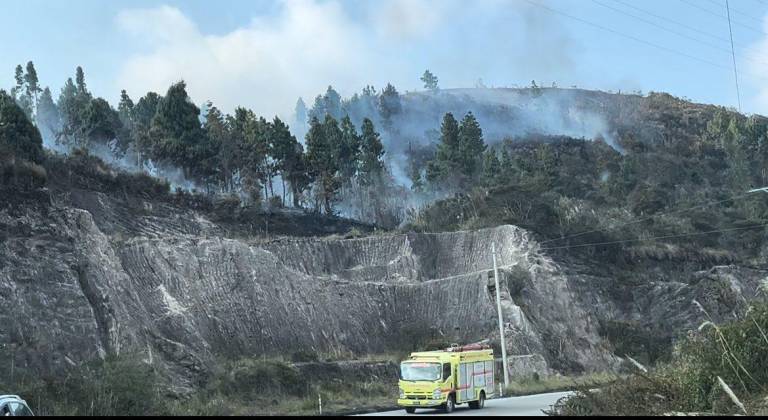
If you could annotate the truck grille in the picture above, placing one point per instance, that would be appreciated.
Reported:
(418, 396)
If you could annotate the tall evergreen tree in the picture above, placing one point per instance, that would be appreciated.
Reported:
(177, 135)
(32, 84)
(249, 132)
(286, 152)
(141, 115)
(300, 113)
(491, 169)
(319, 109)
(18, 76)
(125, 107)
(20, 93)
(389, 103)
(348, 149)
(321, 161)
(447, 157)
(82, 88)
(471, 146)
(101, 123)
(430, 80)
(332, 101)
(371, 153)
(19, 138)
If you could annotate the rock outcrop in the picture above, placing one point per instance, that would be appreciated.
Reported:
(73, 289)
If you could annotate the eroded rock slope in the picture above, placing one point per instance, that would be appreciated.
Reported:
(73, 288)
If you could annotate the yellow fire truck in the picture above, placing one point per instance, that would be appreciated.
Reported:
(445, 378)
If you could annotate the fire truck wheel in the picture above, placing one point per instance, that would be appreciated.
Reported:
(450, 404)
(480, 403)
(410, 410)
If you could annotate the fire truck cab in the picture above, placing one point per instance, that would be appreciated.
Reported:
(445, 378)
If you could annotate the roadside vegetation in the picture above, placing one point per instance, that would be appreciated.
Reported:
(718, 369)
(536, 385)
(128, 386)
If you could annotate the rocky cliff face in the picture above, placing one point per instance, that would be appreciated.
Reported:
(74, 286)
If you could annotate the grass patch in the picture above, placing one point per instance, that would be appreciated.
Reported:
(558, 383)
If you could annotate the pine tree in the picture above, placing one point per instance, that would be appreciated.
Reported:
(321, 160)
(430, 80)
(73, 103)
(318, 109)
(80, 80)
(491, 169)
(101, 123)
(71, 114)
(371, 153)
(332, 101)
(447, 157)
(250, 133)
(286, 152)
(125, 107)
(20, 93)
(19, 78)
(33, 84)
(348, 149)
(177, 135)
(471, 147)
(389, 104)
(507, 167)
(19, 138)
(220, 162)
(300, 114)
(142, 114)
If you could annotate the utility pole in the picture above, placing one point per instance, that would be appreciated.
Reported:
(501, 322)
(733, 54)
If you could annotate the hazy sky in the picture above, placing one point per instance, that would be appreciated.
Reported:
(265, 53)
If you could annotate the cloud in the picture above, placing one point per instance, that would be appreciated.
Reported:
(265, 65)
(309, 44)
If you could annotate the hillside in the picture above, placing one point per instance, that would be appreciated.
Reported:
(607, 232)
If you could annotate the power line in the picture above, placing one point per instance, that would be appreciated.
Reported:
(666, 29)
(685, 235)
(672, 21)
(735, 73)
(697, 6)
(712, 203)
(636, 39)
(718, 4)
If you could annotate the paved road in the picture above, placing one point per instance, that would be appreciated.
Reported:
(529, 405)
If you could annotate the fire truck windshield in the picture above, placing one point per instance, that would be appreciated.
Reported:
(419, 371)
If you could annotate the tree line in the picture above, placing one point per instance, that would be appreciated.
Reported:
(244, 153)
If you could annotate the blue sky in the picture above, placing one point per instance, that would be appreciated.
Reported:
(265, 53)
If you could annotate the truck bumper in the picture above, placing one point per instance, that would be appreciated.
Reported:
(419, 403)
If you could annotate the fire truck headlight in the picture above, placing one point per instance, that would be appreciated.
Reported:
(437, 394)
(402, 393)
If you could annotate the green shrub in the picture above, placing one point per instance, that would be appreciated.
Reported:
(736, 352)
